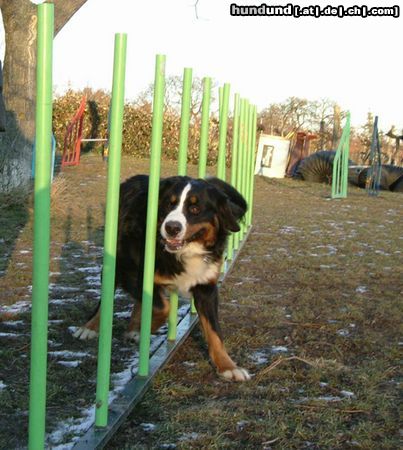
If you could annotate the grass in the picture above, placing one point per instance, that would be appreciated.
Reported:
(311, 309)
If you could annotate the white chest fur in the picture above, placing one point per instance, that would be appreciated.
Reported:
(198, 269)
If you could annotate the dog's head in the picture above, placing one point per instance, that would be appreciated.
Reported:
(197, 211)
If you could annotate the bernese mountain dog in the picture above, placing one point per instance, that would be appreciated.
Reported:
(195, 216)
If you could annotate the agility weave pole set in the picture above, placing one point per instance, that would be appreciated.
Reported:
(340, 163)
(109, 416)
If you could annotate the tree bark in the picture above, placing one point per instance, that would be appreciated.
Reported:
(20, 20)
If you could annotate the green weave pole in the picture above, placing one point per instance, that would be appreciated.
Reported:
(111, 229)
(204, 129)
(245, 153)
(222, 144)
(249, 156)
(239, 171)
(152, 215)
(234, 161)
(40, 281)
(340, 163)
(185, 120)
(182, 169)
(252, 169)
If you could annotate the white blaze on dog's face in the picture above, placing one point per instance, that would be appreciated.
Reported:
(174, 226)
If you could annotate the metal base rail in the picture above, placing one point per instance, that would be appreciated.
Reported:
(122, 406)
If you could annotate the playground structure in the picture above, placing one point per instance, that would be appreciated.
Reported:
(109, 416)
(74, 138)
(299, 151)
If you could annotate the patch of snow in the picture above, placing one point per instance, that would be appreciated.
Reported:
(71, 426)
(240, 426)
(347, 394)
(382, 252)
(12, 335)
(93, 279)
(123, 314)
(289, 230)
(259, 357)
(361, 289)
(328, 398)
(90, 269)
(17, 307)
(343, 332)
(191, 436)
(62, 301)
(13, 323)
(148, 427)
(69, 363)
(54, 286)
(278, 349)
(68, 354)
(79, 426)
(189, 363)
(2, 385)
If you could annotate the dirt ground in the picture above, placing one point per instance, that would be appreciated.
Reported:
(312, 310)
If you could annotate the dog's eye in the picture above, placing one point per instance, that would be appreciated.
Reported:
(173, 200)
(193, 209)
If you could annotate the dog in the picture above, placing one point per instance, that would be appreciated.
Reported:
(195, 217)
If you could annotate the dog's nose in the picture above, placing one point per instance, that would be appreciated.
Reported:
(173, 228)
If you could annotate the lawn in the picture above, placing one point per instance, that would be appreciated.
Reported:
(312, 309)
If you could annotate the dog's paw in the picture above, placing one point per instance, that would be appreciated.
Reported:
(237, 374)
(85, 333)
(132, 336)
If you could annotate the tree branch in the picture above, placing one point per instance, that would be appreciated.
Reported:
(64, 11)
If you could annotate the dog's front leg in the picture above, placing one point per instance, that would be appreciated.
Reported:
(206, 301)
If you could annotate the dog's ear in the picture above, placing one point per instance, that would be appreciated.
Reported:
(228, 212)
(235, 202)
(226, 215)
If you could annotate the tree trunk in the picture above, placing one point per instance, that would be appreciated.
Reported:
(20, 20)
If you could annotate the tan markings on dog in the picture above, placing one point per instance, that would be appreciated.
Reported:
(93, 323)
(210, 234)
(216, 348)
(173, 198)
(162, 279)
(159, 316)
(193, 199)
(135, 318)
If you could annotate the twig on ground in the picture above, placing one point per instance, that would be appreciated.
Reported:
(318, 363)
(347, 411)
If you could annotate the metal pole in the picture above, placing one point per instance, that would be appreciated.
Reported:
(185, 119)
(204, 129)
(111, 228)
(182, 163)
(234, 161)
(222, 145)
(40, 283)
(152, 214)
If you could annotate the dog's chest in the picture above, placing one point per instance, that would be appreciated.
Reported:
(197, 270)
